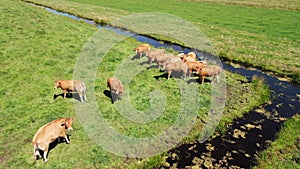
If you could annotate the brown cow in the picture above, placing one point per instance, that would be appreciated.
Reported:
(207, 71)
(72, 86)
(163, 59)
(176, 67)
(191, 56)
(49, 133)
(192, 65)
(143, 48)
(116, 88)
(153, 53)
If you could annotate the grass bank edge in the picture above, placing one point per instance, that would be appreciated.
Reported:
(284, 152)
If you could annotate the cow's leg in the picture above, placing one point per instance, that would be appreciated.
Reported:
(169, 74)
(113, 96)
(44, 148)
(212, 79)
(65, 93)
(67, 140)
(36, 152)
(164, 65)
(81, 97)
(184, 74)
(84, 95)
(45, 156)
(218, 79)
(203, 79)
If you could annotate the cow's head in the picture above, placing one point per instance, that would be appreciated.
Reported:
(181, 55)
(136, 50)
(56, 84)
(67, 123)
(198, 69)
(120, 92)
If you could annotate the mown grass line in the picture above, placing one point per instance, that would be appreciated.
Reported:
(265, 38)
(284, 152)
(38, 48)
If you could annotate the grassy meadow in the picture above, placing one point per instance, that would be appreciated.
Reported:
(38, 47)
(263, 34)
(285, 151)
(277, 4)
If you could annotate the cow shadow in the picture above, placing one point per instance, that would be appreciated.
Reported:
(113, 98)
(152, 66)
(136, 56)
(146, 62)
(108, 94)
(198, 80)
(52, 145)
(163, 75)
(68, 96)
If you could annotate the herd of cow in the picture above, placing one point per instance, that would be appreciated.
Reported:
(181, 63)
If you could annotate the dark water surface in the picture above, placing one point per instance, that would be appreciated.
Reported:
(248, 135)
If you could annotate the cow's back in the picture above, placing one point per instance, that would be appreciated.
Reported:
(67, 85)
(176, 66)
(48, 132)
(213, 70)
(115, 85)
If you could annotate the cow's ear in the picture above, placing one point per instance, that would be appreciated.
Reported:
(63, 123)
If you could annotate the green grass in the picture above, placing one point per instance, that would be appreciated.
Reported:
(37, 48)
(277, 4)
(285, 151)
(267, 38)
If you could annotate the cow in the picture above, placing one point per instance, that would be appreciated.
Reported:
(174, 58)
(211, 70)
(163, 59)
(193, 64)
(176, 67)
(116, 88)
(153, 53)
(48, 134)
(143, 48)
(191, 56)
(72, 86)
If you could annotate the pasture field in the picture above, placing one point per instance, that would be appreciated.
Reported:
(258, 35)
(38, 47)
(285, 151)
(277, 4)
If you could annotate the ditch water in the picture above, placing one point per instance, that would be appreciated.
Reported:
(247, 136)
